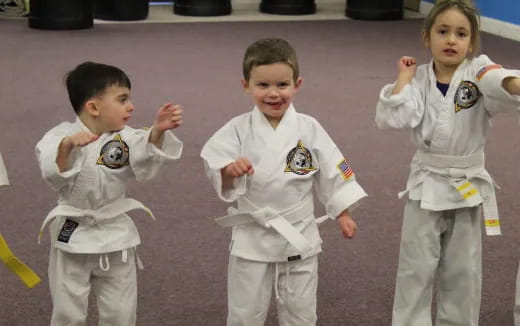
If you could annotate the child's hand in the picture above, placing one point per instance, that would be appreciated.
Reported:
(79, 139)
(168, 117)
(68, 143)
(238, 168)
(407, 67)
(347, 225)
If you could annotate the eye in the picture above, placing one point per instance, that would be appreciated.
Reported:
(442, 31)
(462, 34)
(261, 85)
(283, 84)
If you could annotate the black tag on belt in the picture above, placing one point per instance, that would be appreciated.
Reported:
(66, 230)
(297, 257)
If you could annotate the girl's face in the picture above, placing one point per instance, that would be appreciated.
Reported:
(449, 38)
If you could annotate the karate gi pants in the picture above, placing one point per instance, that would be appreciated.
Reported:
(250, 285)
(70, 279)
(441, 245)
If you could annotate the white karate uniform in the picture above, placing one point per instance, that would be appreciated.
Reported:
(94, 241)
(447, 185)
(4, 180)
(289, 162)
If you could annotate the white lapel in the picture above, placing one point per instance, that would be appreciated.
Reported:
(273, 142)
(454, 82)
(445, 105)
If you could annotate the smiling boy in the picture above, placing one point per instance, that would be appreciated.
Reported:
(270, 160)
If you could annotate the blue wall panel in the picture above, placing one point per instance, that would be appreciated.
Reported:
(505, 10)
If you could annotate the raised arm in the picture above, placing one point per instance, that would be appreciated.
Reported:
(407, 66)
(168, 117)
(499, 86)
(68, 143)
(400, 104)
(59, 154)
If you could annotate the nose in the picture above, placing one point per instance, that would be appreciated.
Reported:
(273, 92)
(451, 38)
(130, 107)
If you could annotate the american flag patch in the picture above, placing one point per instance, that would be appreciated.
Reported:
(485, 69)
(345, 169)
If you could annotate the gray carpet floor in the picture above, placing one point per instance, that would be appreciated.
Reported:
(343, 63)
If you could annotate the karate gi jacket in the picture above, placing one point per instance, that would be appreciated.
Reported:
(288, 163)
(452, 126)
(97, 178)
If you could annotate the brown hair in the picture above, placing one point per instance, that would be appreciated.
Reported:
(467, 8)
(268, 51)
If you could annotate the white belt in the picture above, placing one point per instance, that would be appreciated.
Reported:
(460, 169)
(280, 221)
(94, 216)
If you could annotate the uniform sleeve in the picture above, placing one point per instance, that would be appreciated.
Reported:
(4, 180)
(336, 185)
(46, 154)
(399, 111)
(489, 78)
(146, 159)
(220, 150)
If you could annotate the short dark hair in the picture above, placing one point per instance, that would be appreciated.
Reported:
(91, 79)
(268, 51)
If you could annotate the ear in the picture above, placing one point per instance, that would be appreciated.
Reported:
(426, 39)
(91, 108)
(245, 84)
(298, 83)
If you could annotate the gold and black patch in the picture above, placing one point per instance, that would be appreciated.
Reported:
(466, 96)
(114, 154)
(299, 160)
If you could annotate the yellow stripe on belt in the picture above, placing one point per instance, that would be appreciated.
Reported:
(26, 274)
(467, 189)
(492, 222)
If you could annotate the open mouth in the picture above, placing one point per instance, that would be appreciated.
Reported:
(275, 105)
(449, 51)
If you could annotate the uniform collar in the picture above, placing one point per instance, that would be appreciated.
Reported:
(279, 138)
(261, 121)
(81, 125)
(455, 79)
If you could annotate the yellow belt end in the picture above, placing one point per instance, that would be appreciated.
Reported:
(28, 277)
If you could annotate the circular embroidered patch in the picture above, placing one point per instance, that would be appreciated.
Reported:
(114, 154)
(299, 160)
(466, 96)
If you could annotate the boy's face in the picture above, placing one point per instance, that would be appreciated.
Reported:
(272, 88)
(113, 108)
(449, 38)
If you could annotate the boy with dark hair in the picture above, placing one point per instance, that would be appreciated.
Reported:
(88, 162)
(270, 160)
